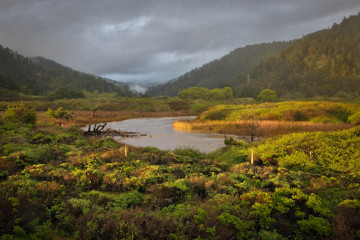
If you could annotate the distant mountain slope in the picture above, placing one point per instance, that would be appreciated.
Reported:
(324, 63)
(230, 70)
(39, 76)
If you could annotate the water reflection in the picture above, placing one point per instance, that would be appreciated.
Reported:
(162, 135)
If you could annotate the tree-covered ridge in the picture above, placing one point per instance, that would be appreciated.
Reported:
(16, 71)
(230, 70)
(325, 63)
(39, 76)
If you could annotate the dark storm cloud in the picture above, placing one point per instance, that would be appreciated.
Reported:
(153, 40)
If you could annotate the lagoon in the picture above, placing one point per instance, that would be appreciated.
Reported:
(162, 135)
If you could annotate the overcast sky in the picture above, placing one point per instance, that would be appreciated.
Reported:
(156, 40)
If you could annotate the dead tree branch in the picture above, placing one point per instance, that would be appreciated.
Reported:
(98, 130)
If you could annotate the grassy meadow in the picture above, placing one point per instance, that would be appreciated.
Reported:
(261, 128)
(271, 119)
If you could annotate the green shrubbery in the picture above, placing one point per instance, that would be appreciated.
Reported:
(57, 184)
(267, 95)
(19, 113)
(205, 93)
(338, 151)
(60, 115)
(355, 118)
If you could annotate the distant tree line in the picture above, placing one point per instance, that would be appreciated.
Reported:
(62, 93)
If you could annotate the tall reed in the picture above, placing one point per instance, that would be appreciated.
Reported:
(262, 128)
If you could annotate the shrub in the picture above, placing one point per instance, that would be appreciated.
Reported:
(127, 200)
(107, 143)
(31, 155)
(315, 226)
(163, 196)
(68, 138)
(193, 93)
(60, 115)
(267, 235)
(243, 228)
(355, 118)
(267, 95)
(215, 94)
(40, 138)
(20, 113)
(192, 153)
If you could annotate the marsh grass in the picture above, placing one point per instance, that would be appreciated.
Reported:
(263, 128)
(313, 111)
(82, 117)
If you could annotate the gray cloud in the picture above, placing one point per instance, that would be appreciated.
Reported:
(156, 40)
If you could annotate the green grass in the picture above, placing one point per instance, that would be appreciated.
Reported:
(328, 112)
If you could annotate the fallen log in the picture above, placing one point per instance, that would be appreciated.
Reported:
(98, 130)
(112, 133)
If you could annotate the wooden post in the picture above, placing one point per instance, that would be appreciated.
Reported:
(125, 150)
(252, 156)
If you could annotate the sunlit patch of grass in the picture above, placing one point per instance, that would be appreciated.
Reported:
(284, 111)
(263, 128)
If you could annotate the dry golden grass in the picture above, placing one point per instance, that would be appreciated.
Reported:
(82, 117)
(261, 128)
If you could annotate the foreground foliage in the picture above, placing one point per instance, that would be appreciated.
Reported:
(57, 184)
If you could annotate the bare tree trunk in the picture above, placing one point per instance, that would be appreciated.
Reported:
(92, 116)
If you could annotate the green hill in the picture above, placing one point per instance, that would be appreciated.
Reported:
(230, 70)
(39, 76)
(324, 63)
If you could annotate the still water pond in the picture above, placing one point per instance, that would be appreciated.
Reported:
(162, 135)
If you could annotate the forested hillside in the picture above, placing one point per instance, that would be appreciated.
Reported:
(325, 63)
(230, 70)
(39, 76)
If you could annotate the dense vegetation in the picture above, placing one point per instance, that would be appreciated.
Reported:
(230, 70)
(325, 63)
(57, 184)
(39, 76)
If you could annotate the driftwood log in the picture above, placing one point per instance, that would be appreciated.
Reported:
(100, 131)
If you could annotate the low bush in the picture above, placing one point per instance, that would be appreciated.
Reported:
(19, 113)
